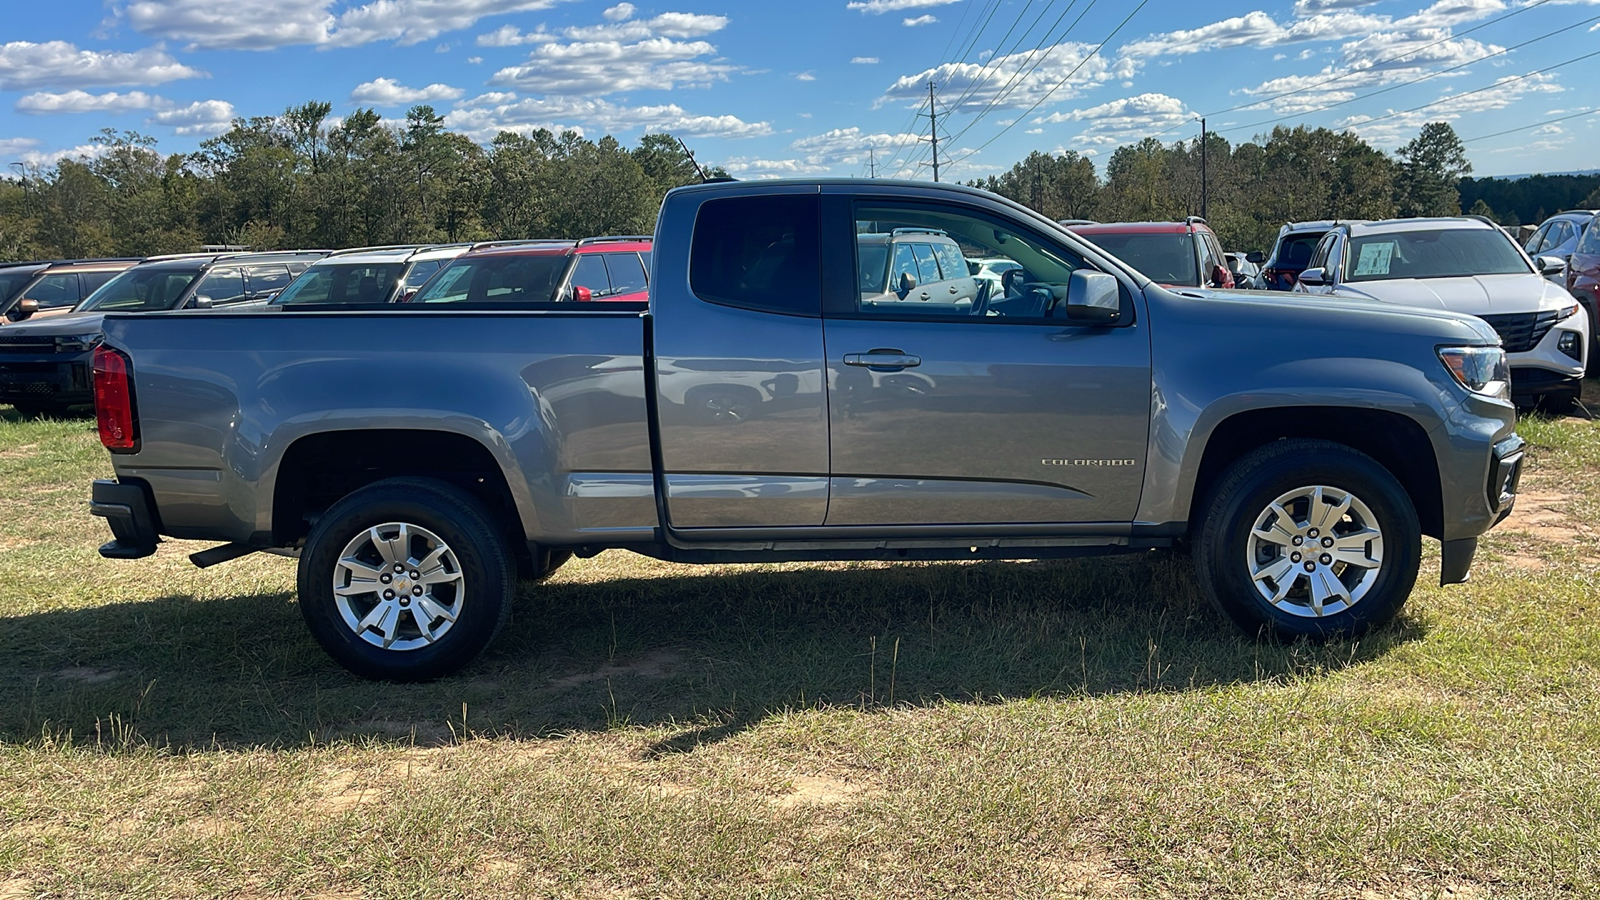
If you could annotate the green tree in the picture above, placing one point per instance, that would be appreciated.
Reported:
(1431, 166)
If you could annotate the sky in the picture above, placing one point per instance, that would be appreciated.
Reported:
(821, 87)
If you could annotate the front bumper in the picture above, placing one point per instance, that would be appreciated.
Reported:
(1505, 474)
(1545, 368)
(128, 508)
(51, 378)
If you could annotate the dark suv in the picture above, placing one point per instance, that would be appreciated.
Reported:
(1290, 253)
(1174, 254)
(52, 287)
(44, 366)
(599, 268)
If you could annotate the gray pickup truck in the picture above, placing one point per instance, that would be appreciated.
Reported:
(817, 376)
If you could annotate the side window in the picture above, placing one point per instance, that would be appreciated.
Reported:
(222, 286)
(1039, 293)
(57, 290)
(93, 281)
(1564, 235)
(927, 266)
(1319, 256)
(1532, 246)
(268, 278)
(627, 272)
(1591, 239)
(590, 272)
(421, 271)
(759, 252)
(1208, 259)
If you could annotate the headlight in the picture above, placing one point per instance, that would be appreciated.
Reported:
(1481, 370)
(77, 343)
(1567, 312)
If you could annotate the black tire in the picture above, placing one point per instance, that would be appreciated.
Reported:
(1557, 403)
(1226, 541)
(483, 562)
(35, 410)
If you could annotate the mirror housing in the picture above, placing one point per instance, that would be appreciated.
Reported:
(405, 296)
(1219, 276)
(582, 294)
(201, 302)
(1314, 277)
(907, 285)
(1094, 298)
(24, 309)
(1255, 257)
(1547, 265)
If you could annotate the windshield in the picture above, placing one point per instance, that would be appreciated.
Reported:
(1452, 253)
(497, 279)
(1295, 250)
(1163, 258)
(142, 289)
(11, 282)
(342, 283)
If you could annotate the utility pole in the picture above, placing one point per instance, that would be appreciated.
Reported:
(1203, 167)
(933, 130)
(872, 162)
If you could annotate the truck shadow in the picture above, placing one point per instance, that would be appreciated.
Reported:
(696, 655)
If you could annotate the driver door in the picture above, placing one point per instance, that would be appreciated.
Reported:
(989, 412)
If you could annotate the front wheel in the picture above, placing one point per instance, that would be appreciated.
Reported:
(406, 579)
(1309, 538)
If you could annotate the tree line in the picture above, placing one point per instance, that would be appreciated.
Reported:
(302, 179)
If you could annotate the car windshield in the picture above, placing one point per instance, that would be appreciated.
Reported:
(1295, 250)
(342, 283)
(139, 288)
(1446, 253)
(497, 279)
(1164, 258)
(11, 282)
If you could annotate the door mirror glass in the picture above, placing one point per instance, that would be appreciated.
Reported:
(1314, 277)
(26, 307)
(907, 285)
(1219, 276)
(1255, 257)
(1093, 298)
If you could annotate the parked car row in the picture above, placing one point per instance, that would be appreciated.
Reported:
(45, 364)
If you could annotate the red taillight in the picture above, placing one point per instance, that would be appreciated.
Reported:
(113, 400)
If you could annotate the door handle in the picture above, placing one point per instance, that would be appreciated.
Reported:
(924, 295)
(882, 359)
(953, 289)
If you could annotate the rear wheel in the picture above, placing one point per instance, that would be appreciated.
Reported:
(1309, 538)
(406, 579)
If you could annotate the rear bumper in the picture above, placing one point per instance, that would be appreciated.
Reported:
(130, 511)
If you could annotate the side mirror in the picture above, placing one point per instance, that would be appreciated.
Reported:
(405, 296)
(582, 294)
(26, 307)
(973, 268)
(1093, 298)
(201, 303)
(1314, 277)
(1255, 257)
(1548, 265)
(907, 284)
(1219, 276)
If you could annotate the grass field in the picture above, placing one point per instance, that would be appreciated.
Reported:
(1072, 729)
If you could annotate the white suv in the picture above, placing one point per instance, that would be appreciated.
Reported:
(1464, 264)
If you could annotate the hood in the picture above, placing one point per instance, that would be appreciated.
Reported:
(1312, 309)
(58, 326)
(1474, 295)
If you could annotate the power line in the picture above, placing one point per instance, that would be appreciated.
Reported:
(1019, 76)
(1579, 115)
(908, 131)
(1501, 83)
(1048, 94)
(1417, 80)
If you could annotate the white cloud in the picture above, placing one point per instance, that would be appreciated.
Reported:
(1305, 8)
(754, 167)
(672, 25)
(1124, 121)
(919, 20)
(258, 26)
(1025, 77)
(474, 60)
(1394, 129)
(879, 7)
(11, 148)
(618, 13)
(863, 60)
(388, 92)
(850, 146)
(493, 98)
(512, 36)
(43, 159)
(805, 76)
(24, 65)
(1254, 29)
(590, 68)
(482, 122)
(205, 117)
(82, 102)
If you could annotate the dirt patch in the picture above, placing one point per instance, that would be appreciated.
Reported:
(1546, 517)
(1444, 892)
(651, 665)
(821, 790)
(15, 888)
(85, 675)
(22, 452)
(341, 793)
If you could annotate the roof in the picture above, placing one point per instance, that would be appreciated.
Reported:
(562, 247)
(1395, 226)
(1134, 228)
(1323, 225)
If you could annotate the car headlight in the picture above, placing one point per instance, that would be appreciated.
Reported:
(1481, 370)
(1567, 312)
(77, 343)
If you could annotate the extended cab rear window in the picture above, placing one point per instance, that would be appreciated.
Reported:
(758, 253)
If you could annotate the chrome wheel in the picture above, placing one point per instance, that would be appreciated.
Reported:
(1315, 551)
(398, 586)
